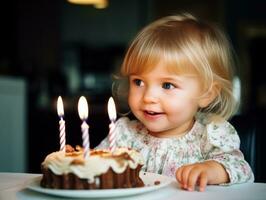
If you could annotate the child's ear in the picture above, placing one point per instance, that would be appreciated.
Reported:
(210, 95)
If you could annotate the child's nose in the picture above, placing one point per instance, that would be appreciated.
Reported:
(150, 95)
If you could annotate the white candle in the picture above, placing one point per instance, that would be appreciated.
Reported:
(60, 112)
(112, 117)
(83, 111)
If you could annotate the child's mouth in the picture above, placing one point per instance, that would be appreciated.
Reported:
(152, 113)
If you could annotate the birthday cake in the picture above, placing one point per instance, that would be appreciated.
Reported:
(100, 169)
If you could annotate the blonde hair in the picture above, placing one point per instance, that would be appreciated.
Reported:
(186, 45)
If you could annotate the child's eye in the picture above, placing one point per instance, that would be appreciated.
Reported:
(168, 86)
(138, 82)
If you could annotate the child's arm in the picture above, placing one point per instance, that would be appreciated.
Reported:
(224, 162)
(201, 174)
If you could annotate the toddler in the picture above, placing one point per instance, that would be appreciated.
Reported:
(178, 71)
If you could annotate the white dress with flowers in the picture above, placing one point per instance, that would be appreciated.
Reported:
(214, 141)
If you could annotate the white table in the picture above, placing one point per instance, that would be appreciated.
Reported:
(13, 186)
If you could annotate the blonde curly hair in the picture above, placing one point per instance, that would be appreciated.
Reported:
(185, 45)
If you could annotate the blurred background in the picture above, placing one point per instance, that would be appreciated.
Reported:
(50, 48)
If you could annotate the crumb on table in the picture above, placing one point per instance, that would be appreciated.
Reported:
(157, 182)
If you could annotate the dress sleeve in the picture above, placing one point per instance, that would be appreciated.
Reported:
(122, 136)
(222, 145)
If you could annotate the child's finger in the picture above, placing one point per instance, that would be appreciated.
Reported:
(203, 181)
(179, 177)
(192, 179)
(185, 175)
(178, 174)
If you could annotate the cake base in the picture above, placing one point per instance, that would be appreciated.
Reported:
(109, 180)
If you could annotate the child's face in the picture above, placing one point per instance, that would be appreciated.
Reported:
(164, 102)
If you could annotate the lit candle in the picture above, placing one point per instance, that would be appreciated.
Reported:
(83, 114)
(112, 117)
(60, 112)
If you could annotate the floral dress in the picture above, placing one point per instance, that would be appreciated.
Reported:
(213, 141)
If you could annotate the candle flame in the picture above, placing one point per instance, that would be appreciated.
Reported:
(83, 108)
(60, 106)
(111, 109)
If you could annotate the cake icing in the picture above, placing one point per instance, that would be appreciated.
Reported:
(96, 163)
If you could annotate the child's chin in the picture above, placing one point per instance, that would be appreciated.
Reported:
(155, 131)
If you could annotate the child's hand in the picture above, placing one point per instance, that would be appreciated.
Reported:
(201, 174)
